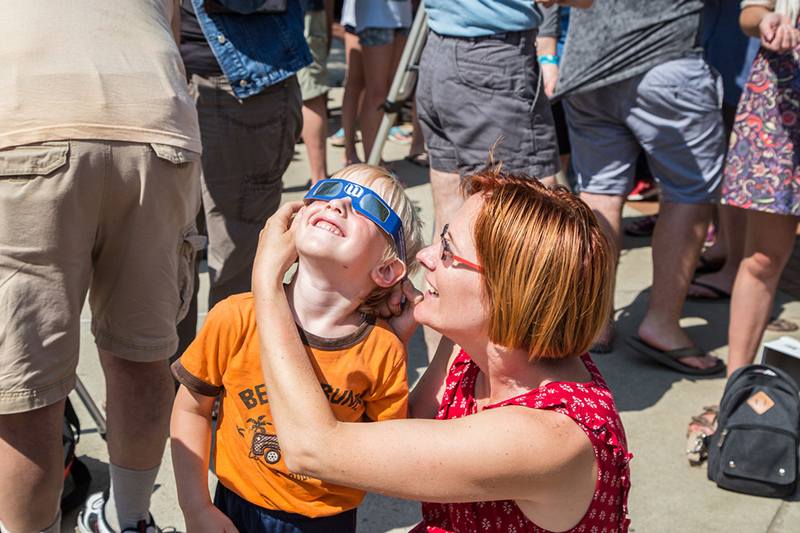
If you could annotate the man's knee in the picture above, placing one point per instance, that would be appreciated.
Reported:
(31, 454)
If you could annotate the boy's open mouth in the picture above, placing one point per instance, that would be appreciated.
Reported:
(328, 226)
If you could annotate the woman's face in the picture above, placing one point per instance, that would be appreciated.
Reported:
(455, 302)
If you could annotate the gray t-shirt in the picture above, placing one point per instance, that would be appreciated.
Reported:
(615, 40)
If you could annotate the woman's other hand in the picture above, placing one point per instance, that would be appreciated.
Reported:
(778, 34)
(399, 313)
(276, 251)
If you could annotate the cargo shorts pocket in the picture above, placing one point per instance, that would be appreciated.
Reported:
(190, 245)
(27, 162)
(174, 154)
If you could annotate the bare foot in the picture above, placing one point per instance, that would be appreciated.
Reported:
(674, 339)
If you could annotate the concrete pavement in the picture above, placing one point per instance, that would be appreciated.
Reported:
(656, 403)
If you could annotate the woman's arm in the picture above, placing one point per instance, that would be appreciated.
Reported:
(190, 436)
(426, 397)
(777, 32)
(517, 453)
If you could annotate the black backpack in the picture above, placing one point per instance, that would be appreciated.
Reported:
(755, 447)
(76, 475)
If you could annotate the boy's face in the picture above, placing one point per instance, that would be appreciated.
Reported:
(333, 231)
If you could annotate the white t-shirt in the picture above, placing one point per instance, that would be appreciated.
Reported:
(93, 69)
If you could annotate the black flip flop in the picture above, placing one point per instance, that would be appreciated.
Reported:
(706, 266)
(670, 358)
(720, 294)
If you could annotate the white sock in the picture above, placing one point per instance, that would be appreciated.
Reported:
(55, 527)
(129, 496)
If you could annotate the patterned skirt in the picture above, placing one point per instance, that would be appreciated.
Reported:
(762, 170)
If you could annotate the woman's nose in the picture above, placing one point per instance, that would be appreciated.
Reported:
(427, 256)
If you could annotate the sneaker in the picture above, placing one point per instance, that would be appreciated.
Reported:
(92, 519)
(643, 190)
(396, 135)
(337, 139)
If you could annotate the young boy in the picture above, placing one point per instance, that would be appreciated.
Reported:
(357, 237)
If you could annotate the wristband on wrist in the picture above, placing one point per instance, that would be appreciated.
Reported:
(548, 60)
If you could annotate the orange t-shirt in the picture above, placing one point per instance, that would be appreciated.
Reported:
(363, 376)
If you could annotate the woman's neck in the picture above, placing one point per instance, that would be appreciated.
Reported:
(508, 373)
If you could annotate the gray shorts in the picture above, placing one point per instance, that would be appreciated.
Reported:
(473, 92)
(672, 112)
(247, 146)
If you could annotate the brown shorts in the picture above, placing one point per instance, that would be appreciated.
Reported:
(112, 218)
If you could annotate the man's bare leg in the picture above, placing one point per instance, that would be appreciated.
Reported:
(733, 224)
(677, 240)
(32, 462)
(608, 210)
(315, 133)
(139, 402)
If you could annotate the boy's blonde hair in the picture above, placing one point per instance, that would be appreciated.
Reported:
(394, 195)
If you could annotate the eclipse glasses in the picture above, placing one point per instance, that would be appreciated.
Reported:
(366, 202)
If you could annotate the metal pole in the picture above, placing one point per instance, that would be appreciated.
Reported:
(403, 83)
(97, 416)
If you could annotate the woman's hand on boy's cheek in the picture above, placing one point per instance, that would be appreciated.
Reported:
(402, 320)
(276, 246)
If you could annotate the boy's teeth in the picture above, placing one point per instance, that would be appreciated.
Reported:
(324, 225)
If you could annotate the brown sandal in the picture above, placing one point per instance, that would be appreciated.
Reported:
(696, 448)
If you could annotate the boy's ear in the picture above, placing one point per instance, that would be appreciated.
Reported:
(389, 273)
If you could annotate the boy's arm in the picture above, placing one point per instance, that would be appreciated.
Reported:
(190, 432)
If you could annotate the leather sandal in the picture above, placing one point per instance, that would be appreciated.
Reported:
(697, 439)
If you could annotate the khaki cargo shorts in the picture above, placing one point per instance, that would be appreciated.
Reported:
(116, 219)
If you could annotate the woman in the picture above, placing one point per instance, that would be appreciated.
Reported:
(762, 178)
(521, 282)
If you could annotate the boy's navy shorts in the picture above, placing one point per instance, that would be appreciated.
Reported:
(247, 516)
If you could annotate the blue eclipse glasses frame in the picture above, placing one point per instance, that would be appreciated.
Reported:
(366, 202)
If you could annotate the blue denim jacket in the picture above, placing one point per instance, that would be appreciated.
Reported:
(255, 50)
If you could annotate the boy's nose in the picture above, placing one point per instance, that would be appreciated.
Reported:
(339, 205)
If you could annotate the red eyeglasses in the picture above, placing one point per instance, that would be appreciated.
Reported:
(446, 253)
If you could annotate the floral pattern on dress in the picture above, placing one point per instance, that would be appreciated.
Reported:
(591, 406)
(762, 171)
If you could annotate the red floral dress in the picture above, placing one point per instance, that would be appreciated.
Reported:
(592, 408)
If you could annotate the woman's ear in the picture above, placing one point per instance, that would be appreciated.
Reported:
(389, 273)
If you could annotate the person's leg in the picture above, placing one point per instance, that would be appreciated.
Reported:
(677, 239)
(733, 224)
(139, 402)
(314, 85)
(378, 62)
(351, 101)
(769, 244)
(49, 213)
(682, 135)
(32, 462)
(141, 286)
(315, 131)
(608, 210)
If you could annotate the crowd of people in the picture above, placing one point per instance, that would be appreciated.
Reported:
(131, 133)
